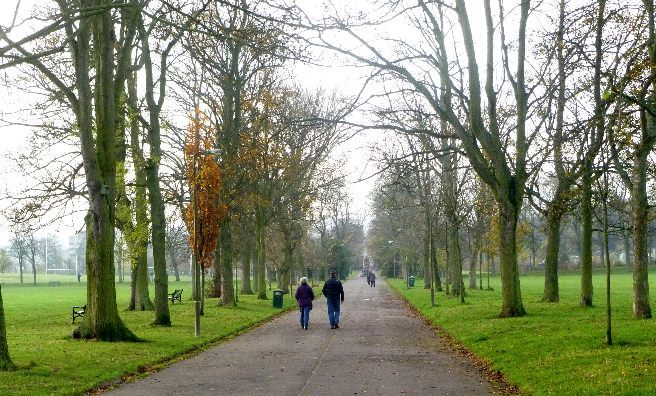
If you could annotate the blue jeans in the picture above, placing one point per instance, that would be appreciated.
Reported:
(333, 311)
(305, 316)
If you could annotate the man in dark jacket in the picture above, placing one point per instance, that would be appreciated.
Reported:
(334, 293)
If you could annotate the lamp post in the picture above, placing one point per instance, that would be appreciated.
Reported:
(195, 262)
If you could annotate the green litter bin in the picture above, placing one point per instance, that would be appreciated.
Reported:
(411, 281)
(277, 298)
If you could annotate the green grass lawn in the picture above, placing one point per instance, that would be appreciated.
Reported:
(557, 348)
(50, 362)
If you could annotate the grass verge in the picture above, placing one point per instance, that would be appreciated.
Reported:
(50, 362)
(557, 348)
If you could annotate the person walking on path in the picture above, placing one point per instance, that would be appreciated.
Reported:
(372, 280)
(334, 293)
(304, 297)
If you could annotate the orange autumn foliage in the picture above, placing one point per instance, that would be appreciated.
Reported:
(207, 184)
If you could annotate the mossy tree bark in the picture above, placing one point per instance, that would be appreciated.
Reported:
(217, 277)
(586, 231)
(133, 215)
(426, 257)
(285, 270)
(254, 265)
(5, 359)
(292, 235)
(228, 139)
(473, 255)
(227, 286)
(247, 256)
(158, 229)
(551, 289)
(455, 260)
(94, 101)
(511, 292)
(98, 142)
(587, 167)
(436, 270)
(639, 203)
(157, 215)
(565, 178)
(260, 235)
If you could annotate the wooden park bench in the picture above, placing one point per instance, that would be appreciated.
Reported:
(176, 295)
(79, 312)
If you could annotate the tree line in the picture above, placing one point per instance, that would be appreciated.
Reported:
(147, 107)
(509, 116)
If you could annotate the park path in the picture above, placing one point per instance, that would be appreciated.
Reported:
(381, 348)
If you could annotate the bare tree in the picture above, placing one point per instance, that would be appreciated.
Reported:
(90, 34)
(502, 165)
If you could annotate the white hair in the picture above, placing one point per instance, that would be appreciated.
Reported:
(303, 280)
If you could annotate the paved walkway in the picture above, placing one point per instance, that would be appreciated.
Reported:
(381, 348)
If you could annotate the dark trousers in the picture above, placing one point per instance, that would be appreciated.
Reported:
(333, 310)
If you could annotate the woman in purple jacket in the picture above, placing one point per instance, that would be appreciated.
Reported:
(304, 297)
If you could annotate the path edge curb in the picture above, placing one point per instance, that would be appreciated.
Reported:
(496, 377)
(147, 370)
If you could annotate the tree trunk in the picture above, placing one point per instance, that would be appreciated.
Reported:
(650, 240)
(284, 275)
(586, 243)
(21, 264)
(627, 247)
(455, 260)
(260, 234)
(472, 269)
(158, 229)
(227, 287)
(602, 248)
(480, 269)
(512, 297)
(639, 205)
(101, 321)
(157, 214)
(551, 290)
(427, 256)
(33, 261)
(137, 236)
(246, 271)
(436, 270)
(140, 264)
(176, 268)
(604, 202)
(133, 290)
(578, 241)
(555, 209)
(254, 264)
(119, 263)
(217, 278)
(639, 202)
(490, 263)
(202, 290)
(5, 360)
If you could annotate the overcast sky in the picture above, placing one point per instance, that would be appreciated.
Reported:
(13, 139)
(343, 79)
